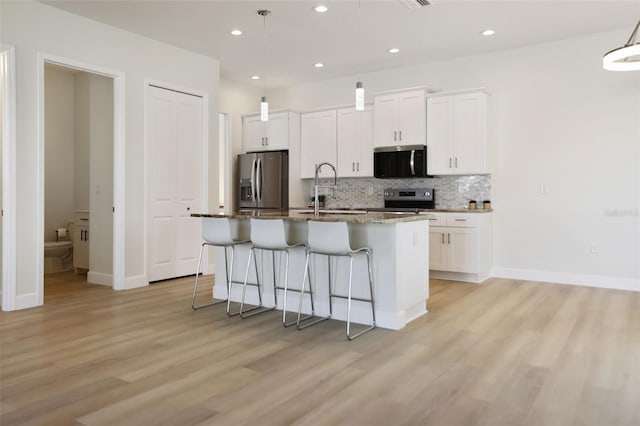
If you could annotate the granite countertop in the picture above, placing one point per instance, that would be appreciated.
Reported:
(363, 209)
(291, 215)
(456, 210)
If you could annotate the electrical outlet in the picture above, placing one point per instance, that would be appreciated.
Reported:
(543, 189)
(370, 190)
(595, 248)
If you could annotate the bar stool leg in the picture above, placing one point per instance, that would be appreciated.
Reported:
(373, 307)
(307, 274)
(195, 287)
(371, 327)
(256, 309)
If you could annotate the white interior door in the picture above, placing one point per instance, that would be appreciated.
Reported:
(175, 173)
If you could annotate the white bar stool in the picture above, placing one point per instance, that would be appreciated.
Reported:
(332, 239)
(216, 231)
(270, 235)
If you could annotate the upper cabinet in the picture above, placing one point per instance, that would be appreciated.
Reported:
(400, 119)
(458, 134)
(272, 135)
(317, 142)
(355, 142)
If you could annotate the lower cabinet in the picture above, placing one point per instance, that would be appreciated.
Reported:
(80, 237)
(460, 246)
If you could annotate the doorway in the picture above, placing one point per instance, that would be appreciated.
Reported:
(116, 276)
(78, 228)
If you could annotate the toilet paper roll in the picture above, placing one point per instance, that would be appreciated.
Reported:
(62, 232)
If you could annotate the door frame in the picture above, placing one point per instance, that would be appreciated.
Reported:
(9, 170)
(118, 166)
(204, 164)
(228, 164)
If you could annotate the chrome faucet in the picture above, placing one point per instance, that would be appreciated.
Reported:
(316, 186)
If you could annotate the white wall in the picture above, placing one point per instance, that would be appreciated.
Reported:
(1, 151)
(59, 152)
(560, 120)
(237, 99)
(34, 27)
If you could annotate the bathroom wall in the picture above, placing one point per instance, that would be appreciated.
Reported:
(93, 168)
(59, 152)
(81, 142)
(451, 192)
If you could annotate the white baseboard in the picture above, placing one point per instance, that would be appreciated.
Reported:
(136, 281)
(100, 278)
(617, 283)
(25, 301)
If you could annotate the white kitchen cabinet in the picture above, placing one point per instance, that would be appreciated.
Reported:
(80, 238)
(318, 133)
(272, 135)
(458, 133)
(355, 142)
(460, 246)
(400, 119)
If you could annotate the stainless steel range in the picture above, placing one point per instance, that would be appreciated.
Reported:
(407, 200)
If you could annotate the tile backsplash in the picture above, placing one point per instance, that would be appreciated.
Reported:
(452, 192)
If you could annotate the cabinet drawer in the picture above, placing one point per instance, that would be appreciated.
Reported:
(462, 220)
(436, 219)
(81, 218)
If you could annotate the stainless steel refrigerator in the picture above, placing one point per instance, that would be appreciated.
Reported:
(264, 180)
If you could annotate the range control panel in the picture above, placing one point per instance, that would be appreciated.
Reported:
(423, 198)
(423, 194)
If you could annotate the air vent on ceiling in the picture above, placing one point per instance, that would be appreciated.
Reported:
(415, 4)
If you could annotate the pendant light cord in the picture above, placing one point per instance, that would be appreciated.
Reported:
(359, 39)
(264, 54)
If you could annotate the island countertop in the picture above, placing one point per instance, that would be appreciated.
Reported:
(352, 216)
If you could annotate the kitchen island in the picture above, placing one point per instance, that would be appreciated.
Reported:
(400, 266)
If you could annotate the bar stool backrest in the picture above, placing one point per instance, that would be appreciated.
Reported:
(329, 237)
(268, 233)
(216, 231)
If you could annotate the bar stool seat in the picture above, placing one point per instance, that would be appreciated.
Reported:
(270, 235)
(217, 231)
(332, 239)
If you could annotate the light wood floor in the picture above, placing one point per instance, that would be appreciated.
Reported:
(501, 353)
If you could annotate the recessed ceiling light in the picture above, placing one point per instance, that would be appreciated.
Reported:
(321, 8)
(488, 32)
(236, 32)
(318, 65)
(394, 50)
(255, 77)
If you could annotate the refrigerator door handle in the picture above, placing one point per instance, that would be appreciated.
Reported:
(259, 180)
(253, 179)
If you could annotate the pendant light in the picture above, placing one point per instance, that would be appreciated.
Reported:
(264, 105)
(625, 58)
(359, 87)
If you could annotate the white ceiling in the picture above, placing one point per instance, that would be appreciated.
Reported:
(298, 37)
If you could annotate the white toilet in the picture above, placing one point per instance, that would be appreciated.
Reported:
(58, 255)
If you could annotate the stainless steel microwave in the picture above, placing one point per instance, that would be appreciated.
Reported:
(400, 162)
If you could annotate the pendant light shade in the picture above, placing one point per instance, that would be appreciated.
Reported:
(359, 96)
(625, 58)
(264, 105)
(264, 109)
